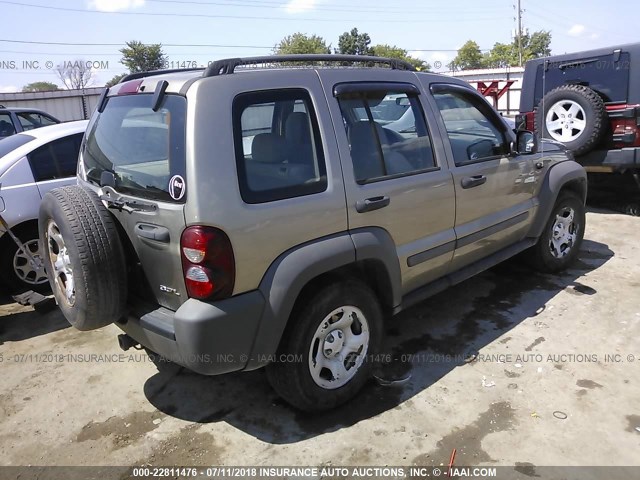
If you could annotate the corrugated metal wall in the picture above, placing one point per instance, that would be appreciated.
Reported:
(66, 105)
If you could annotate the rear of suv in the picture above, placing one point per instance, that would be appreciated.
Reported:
(589, 101)
(243, 217)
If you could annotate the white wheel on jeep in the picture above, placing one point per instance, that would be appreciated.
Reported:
(566, 121)
(339, 347)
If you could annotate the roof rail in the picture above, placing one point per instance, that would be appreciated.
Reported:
(134, 76)
(228, 65)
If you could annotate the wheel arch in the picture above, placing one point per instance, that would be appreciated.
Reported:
(563, 176)
(363, 254)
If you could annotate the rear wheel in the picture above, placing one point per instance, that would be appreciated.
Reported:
(323, 359)
(83, 257)
(559, 245)
(22, 272)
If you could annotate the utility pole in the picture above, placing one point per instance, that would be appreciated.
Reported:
(519, 33)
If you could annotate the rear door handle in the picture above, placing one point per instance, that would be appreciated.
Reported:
(152, 232)
(373, 203)
(475, 181)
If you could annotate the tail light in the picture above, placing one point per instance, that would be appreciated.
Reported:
(207, 263)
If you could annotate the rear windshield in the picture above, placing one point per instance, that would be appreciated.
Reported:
(607, 75)
(142, 148)
(9, 144)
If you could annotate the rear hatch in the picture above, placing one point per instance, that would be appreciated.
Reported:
(135, 156)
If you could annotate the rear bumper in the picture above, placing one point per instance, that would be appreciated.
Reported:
(612, 160)
(208, 338)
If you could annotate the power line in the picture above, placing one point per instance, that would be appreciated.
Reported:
(243, 17)
(203, 45)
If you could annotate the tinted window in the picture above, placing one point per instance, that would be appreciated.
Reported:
(473, 136)
(383, 148)
(278, 149)
(29, 120)
(143, 148)
(6, 125)
(57, 159)
(603, 74)
(9, 144)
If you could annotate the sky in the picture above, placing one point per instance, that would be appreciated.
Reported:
(38, 35)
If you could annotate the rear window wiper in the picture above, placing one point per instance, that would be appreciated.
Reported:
(117, 202)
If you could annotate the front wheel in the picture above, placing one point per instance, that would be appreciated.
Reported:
(323, 359)
(560, 242)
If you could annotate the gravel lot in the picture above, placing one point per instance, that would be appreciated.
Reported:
(542, 344)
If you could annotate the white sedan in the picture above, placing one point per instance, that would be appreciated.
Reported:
(31, 164)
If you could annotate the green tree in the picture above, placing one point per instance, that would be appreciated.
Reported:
(40, 87)
(536, 45)
(354, 43)
(469, 57)
(114, 80)
(300, 43)
(138, 57)
(391, 51)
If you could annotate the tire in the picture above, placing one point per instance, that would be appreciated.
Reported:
(90, 282)
(548, 254)
(16, 270)
(581, 132)
(310, 330)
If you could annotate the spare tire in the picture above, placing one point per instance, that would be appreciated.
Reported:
(83, 256)
(574, 115)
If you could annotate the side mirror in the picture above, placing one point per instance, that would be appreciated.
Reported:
(526, 143)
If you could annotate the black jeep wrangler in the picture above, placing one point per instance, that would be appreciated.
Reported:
(589, 101)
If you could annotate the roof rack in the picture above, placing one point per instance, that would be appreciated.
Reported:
(227, 66)
(134, 76)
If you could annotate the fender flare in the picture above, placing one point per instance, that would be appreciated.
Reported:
(555, 180)
(293, 270)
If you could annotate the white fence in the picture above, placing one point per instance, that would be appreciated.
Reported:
(509, 102)
(65, 105)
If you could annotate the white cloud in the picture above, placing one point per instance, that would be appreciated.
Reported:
(438, 60)
(115, 5)
(9, 89)
(594, 36)
(297, 6)
(577, 30)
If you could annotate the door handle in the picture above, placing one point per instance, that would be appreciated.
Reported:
(476, 180)
(152, 232)
(373, 203)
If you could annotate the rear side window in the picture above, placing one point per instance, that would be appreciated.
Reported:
(607, 74)
(9, 144)
(387, 134)
(6, 125)
(278, 149)
(57, 159)
(31, 120)
(144, 149)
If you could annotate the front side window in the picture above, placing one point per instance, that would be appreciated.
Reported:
(387, 134)
(278, 150)
(57, 159)
(472, 134)
(142, 147)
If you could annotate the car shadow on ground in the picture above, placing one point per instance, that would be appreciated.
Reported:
(442, 329)
(23, 325)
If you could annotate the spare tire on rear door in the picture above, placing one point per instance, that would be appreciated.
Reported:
(83, 256)
(574, 115)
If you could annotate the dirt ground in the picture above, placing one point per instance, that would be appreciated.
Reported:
(556, 381)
